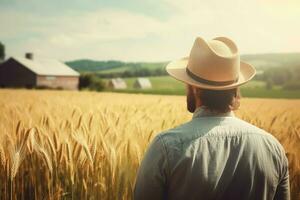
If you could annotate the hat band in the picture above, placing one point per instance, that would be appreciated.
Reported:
(209, 82)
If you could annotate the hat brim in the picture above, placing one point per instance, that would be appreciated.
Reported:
(177, 69)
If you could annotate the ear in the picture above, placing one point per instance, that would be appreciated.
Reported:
(235, 104)
(191, 89)
(196, 91)
(239, 94)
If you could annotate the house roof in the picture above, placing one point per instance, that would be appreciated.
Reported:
(47, 67)
(118, 83)
(144, 82)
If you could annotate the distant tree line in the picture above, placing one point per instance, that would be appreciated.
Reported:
(91, 82)
(86, 65)
(2, 51)
(287, 77)
(93, 66)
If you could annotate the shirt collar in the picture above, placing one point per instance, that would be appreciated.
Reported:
(204, 112)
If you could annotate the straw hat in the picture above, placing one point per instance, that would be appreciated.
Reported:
(213, 65)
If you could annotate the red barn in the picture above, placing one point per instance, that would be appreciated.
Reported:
(30, 72)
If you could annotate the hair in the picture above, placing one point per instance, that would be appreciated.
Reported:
(220, 101)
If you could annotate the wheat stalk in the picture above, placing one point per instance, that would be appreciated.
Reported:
(89, 145)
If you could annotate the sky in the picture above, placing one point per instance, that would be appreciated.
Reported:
(145, 30)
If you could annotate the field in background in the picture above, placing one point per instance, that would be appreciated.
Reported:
(260, 61)
(278, 75)
(88, 145)
(167, 85)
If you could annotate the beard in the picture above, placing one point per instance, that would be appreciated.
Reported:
(190, 100)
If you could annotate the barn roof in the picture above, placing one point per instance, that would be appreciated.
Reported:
(47, 67)
(144, 82)
(118, 83)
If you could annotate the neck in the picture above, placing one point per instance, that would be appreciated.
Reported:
(202, 111)
(214, 112)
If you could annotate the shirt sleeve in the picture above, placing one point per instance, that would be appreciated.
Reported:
(151, 181)
(283, 188)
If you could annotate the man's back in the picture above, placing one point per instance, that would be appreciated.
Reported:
(213, 157)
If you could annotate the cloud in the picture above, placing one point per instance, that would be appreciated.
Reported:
(74, 30)
(112, 33)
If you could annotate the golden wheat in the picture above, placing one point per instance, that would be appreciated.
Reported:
(87, 145)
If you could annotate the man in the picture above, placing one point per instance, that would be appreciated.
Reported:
(215, 155)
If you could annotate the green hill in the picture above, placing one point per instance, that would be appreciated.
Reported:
(111, 66)
(264, 61)
(86, 65)
(260, 61)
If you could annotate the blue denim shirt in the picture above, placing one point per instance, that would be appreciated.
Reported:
(214, 156)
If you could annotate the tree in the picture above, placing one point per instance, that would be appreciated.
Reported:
(97, 85)
(269, 84)
(85, 80)
(292, 85)
(91, 82)
(2, 51)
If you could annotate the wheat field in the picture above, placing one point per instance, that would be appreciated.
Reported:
(88, 145)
